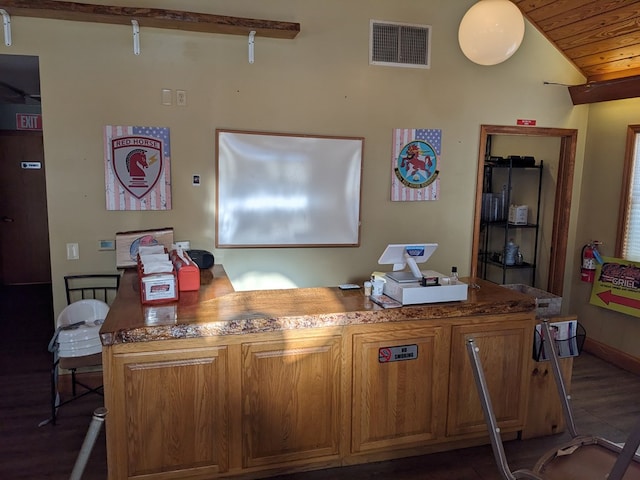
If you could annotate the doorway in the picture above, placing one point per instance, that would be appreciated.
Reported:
(562, 201)
(24, 229)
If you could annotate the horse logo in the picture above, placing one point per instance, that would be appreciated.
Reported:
(137, 163)
(416, 166)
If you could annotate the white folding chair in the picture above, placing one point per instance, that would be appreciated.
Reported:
(76, 345)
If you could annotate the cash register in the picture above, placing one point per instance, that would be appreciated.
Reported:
(415, 286)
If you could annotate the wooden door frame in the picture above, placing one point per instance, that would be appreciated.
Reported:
(562, 204)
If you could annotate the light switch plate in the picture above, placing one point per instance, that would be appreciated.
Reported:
(166, 96)
(73, 251)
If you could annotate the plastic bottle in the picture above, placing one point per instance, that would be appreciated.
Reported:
(454, 275)
(504, 208)
(510, 253)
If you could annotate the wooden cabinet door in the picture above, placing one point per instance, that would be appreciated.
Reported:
(290, 400)
(544, 414)
(168, 414)
(399, 403)
(505, 350)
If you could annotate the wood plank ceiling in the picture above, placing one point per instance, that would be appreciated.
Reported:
(600, 37)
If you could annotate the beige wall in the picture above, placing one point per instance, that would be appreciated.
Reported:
(598, 217)
(318, 83)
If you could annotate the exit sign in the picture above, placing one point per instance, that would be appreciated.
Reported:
(28, 121)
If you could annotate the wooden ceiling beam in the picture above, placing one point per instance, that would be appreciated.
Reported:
(605, 90)
(150, 17)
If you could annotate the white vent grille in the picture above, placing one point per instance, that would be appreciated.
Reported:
(399, 44)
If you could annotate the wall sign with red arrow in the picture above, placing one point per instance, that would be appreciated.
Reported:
(617, 286)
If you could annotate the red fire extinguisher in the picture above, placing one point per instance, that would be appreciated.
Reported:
(590, 256)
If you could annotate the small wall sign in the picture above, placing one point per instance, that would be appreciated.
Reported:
(397, 354)
(31, 165)
(28, 121)
(617, 286)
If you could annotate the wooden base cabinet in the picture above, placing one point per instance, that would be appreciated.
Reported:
(261, 404)
(168, 413)
(290, 400)
(399, 403)
(505, 352)
(200, 412)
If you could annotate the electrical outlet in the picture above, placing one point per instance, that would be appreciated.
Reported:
(181, 98)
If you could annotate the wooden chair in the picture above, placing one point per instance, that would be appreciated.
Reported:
(76, 344)
(584, 457)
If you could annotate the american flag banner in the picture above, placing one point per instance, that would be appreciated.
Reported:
(414, 165)
(137, 165)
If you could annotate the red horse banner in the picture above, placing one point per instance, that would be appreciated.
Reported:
(137, 168)
(414, 163)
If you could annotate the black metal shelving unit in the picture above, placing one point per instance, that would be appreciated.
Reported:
(494, 222)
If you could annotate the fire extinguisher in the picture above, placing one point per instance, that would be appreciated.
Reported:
(590, 256)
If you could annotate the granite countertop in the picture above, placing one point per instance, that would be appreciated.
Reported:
(216, 309)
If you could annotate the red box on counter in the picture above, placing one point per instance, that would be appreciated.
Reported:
(187, 271)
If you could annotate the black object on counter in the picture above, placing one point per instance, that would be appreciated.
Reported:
(202, 258)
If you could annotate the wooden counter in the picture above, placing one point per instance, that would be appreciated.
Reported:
(252, 384)
(217, 310)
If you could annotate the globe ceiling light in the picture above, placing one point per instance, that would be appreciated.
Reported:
(491, 31)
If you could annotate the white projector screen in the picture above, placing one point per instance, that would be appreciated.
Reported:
(281, 190)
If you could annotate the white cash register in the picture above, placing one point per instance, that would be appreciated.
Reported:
(418, 286)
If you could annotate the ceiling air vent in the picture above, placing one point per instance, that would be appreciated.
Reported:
(399, 44)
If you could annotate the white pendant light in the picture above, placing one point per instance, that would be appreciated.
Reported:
(491, 31)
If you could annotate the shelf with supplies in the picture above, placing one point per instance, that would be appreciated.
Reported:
(499, 263)
(509, 230)
(502, 223)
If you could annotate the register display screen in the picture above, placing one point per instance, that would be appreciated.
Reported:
(407, 254)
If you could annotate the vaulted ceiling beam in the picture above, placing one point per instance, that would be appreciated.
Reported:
(605, 90)
(150, 17)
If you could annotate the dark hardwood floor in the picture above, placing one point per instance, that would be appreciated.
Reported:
(26, 450)
(606, 400)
